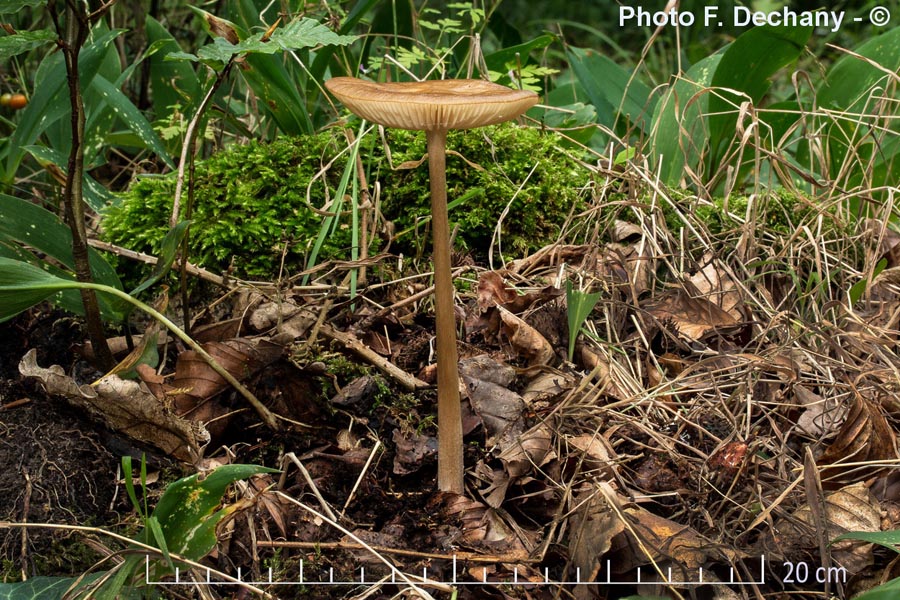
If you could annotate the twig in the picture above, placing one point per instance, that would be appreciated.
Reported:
(362, 474)
(290, 456)
(351, 342)
(152, 260)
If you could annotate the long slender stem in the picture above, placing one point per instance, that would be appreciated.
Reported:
(73, 38)
(450, 438)
(263, 412)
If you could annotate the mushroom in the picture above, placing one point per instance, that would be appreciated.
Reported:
(436, 107)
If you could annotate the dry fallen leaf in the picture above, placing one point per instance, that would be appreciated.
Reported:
(851, 508)
(865, 436)
(525, 339)
(716, 285)
(480, 527)
(500, 410)
(125, 406)
(692, 316)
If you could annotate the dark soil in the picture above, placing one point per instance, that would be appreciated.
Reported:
(55, 466)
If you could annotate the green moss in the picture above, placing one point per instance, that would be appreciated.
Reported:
(480, 187)
(250, 201)
(249, 206)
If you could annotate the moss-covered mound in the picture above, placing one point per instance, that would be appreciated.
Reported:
(485, 170)
(250, 201)
(249, 207)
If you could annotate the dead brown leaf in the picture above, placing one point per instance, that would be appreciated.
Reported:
(411, 450)
(821, 415)
(125, 406)
(693, 316)
(525, 339)
(481, 527)
(595, 453)
(851, 508)
(500, 409)
(865, 436)
(240, 357)
(716, 285)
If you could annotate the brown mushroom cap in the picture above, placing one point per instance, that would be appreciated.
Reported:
(430, 105)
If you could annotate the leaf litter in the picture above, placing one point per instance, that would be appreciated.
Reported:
(721, 406)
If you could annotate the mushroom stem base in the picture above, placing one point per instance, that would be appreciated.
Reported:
(450, 438)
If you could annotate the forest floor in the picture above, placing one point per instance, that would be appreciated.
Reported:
(714, 430)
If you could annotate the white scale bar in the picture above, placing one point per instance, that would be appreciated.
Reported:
(238, 580)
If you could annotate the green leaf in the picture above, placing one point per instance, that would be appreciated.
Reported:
(160, 540)
(272, 83)
(853, 85)
(96, 196)
(44, 588)
(679, 131)
(849, 80)
(885, 591)
(888, 539)
(128, 477)
(50, 100)
(579, 306)
(40, 229)
(37, 228)
(859, 288)
(299, 33)
(25, 41)
(173, 82)
(167, 254)
(8, 7)
(747, 65)
(187, 510)
(613, 90)
(22, 285)
(497, 60)
(129, 114)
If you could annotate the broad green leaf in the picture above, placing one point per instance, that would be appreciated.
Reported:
(855, 86)
(496, 61)
(43, 231)
(67, 299)
(50, 100)
(44, 588)
(299, 33)
(679, 132)
(174, 83)
(8, 7)
(885, 591)
(278, 94)
(849, 82)
(888, 539)
(132, 117)
(746, 66)
(96, 196)
(24, 41)
(22, 285)
(613, 90)
(37, 228)
(187, 510)
(579, 306)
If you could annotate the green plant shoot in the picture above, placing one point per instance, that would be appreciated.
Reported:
(580, 304)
